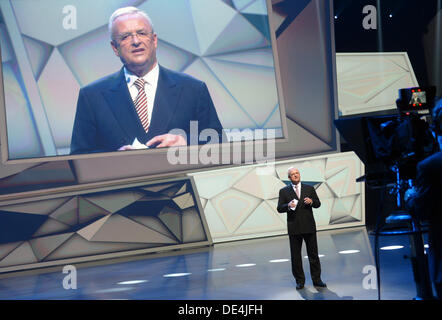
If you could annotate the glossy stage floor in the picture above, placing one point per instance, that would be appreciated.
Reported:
(257, 269)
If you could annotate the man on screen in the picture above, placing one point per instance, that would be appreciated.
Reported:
(143, 102)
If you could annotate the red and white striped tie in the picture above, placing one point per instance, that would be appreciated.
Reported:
(141, 104)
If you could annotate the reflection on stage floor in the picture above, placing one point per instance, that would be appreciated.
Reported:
(248, 269)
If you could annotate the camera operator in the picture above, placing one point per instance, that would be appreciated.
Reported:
(425, 199)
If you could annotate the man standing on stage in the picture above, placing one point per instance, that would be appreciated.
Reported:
(298, 200)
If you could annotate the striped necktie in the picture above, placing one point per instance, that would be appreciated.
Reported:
(141, 104)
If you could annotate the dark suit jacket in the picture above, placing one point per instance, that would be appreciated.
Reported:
(301, 219)
(428, 206)
(106, 118)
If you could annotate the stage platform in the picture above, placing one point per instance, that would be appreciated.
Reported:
(257, 269)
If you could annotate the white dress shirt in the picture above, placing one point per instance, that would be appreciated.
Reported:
(150, 86)
(294, 200)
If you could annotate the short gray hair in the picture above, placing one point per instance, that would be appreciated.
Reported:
(290, 169)
(125, 11)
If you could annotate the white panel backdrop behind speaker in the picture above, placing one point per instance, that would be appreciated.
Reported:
(240, 203)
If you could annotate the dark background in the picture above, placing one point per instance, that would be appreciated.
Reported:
(412, 28)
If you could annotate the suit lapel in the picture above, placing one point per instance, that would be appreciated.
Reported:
(292, 193)
(166, 103)
(121, 105)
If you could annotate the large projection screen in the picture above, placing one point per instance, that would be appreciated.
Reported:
(226, 45)
(301, 35)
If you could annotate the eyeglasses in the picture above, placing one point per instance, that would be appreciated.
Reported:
(126, 37)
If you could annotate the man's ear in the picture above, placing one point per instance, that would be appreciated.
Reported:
(114, 46)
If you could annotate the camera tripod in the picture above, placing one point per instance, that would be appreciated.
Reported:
(403, 222)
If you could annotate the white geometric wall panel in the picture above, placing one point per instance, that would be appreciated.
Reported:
(240, 203)
(97, 224)
(369, 82)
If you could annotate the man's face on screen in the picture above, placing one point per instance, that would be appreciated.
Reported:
(135, 43)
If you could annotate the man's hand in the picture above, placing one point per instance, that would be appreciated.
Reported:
(308, 201)
(167, 140)
(293, 203)
(126, 147)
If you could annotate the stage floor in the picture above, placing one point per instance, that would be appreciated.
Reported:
(257, 269)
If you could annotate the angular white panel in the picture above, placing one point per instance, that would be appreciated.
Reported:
(173, 57)
(7, 248)
(23, 140)
(5, 44)
(209, 24)
(230, 40)
(273, 203)
(216, 225)
(78, 246)
(59, 92)
(90, 56)
(58, 26)
(67, 213)
(43, 246)
(192, 226)
(256, 7)
(36, 207)
(260, 186)
(234, 207)
(38, 53)
(88, 211)
(184, 201)
(369, 82)
(153, 223)
(121, 229)
(274, 121)
(324, 192)
(183, 189)
(203, 202)
(323, 214)
(342, 207)
(356, 211)
(262, 219)
(90, 230)
(51, 226)
(339, 182)
(208, 188)
(113, 202)
(172, 219)
(259, 97)
(240, 4)
(22, 255)
(260, 57)
(226, 105)
(182, 31)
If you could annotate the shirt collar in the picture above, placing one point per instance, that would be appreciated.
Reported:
(151, 77)
(299, 184)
